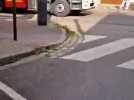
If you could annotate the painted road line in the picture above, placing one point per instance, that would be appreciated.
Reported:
(90, 38)
(128, 64)
(10, 92)
(101, 51)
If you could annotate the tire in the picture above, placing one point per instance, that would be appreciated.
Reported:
(42, 12)
(60, 8)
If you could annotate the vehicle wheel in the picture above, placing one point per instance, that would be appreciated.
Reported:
(60, 8)
(42, 12)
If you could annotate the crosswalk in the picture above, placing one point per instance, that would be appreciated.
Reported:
(102, 50)
(10, 92)
(90, 38)
(127, 65)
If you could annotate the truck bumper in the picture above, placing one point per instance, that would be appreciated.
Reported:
(80, 7)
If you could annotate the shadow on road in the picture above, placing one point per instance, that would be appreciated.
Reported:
(113, 25)
(80, 13)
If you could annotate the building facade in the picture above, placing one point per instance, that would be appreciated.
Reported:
(113, 2)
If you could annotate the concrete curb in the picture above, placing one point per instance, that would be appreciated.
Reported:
(33, 51)
(72, 40)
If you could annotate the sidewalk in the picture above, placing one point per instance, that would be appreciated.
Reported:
(30, 37)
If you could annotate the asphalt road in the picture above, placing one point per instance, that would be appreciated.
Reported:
(100, 68)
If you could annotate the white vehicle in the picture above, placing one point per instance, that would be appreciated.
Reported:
(64, 7)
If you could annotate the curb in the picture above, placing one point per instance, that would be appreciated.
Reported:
(71, 41)
(34, 51)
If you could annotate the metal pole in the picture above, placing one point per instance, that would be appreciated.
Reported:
(14, 21)
(42, 12)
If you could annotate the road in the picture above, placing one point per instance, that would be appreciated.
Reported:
(100, 68)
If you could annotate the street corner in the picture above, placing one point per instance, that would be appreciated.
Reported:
(49, 44)
(31, 39)
(73, 40)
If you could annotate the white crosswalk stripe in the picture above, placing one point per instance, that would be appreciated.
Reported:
(10, 92)
(90, 38)
(127, 65)
(101, 51)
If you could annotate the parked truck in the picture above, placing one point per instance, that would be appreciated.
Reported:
(57, 7)
(64, 7)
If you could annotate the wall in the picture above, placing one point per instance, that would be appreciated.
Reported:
(132, 1)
